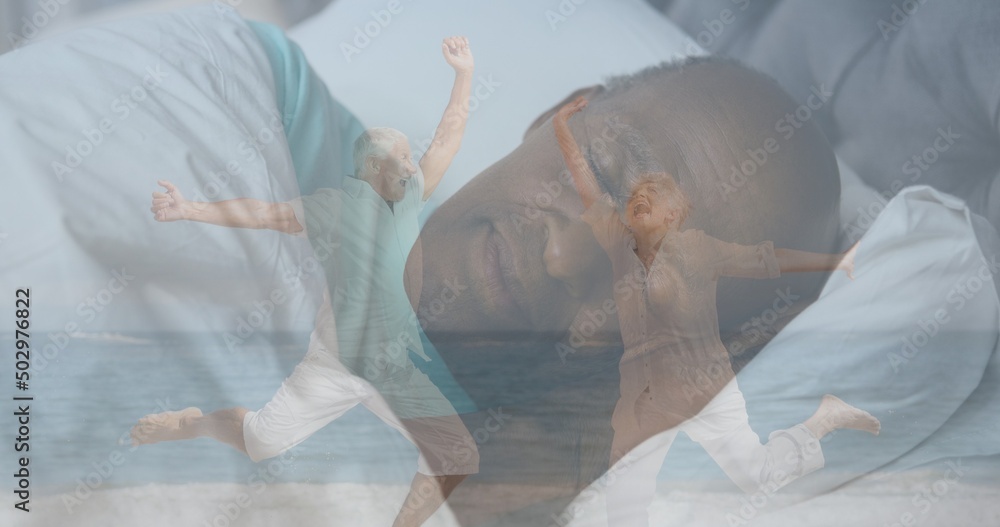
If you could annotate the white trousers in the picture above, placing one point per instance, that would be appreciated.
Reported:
(321, 389)
(722, 428)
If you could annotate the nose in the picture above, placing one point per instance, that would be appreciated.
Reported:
(570, 253)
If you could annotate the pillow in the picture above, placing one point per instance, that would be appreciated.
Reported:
(909, 340)
(916, 83)
(93, 118)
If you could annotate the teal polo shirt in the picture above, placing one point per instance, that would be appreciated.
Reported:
(369, 243)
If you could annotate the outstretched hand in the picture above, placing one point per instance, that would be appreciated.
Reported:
(847, 262)
(170, 205)
(572, 108)
(458, 55)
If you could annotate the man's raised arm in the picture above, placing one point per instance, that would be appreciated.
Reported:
(243, 213)
(448, 136)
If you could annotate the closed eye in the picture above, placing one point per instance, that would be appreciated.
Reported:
(602, 180)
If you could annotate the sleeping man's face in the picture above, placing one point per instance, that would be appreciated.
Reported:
(511, 246)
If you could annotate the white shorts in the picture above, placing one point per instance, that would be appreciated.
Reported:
(321, 389)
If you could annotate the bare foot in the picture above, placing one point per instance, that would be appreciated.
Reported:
(165, 426)
(833, 413)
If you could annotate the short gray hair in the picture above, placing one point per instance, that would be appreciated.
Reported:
(376, 142)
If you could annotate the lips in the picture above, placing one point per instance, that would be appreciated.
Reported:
(640, 208)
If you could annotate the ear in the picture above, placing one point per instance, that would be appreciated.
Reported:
(669, 216)
(672, 216)
(374, 164)
(587, 92)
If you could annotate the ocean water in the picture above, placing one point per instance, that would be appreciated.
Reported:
(91, 393)
(556, 437)
(89, 396)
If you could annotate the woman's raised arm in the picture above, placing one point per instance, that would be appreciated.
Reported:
(583, 178)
